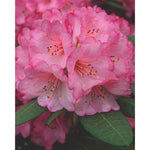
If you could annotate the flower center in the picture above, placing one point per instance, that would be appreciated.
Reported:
(55, 49)
(114, 59)
(99, 91)
(92, 33)
(51, 86)
(83, 68)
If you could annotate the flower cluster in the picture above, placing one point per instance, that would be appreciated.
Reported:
(70, 56)
(78, 61)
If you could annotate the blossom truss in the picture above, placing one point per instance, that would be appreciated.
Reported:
(81, 61)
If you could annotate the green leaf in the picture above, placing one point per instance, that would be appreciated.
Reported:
(94, 144)
(132, 86)
(75, 120)
(116, 5)
(111, 127)
(53, 116)
(127, 106)
(131, 38)
(131, 147)
(16, 45)
(29, 111)
(90, 143)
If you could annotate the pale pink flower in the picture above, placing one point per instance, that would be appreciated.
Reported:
(47, 135)
(46, 52)
(91, 23)
(23, 8)
(98, 100)
(34, 20)
(22, 55)
(97, 35)
(21, 61)
(88, 67)
(30, 22)
(121, 52)
(46, 82)
(121, 24)
(43, 5)
(51, 42)
(102, 98)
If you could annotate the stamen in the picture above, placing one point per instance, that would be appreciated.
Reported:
(84, 69)
(54, 86)
(92, 33)
(51, 86)
(56, 49)
(99, 91)
(78, 45)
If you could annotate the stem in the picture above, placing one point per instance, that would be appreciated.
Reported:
(75, 120)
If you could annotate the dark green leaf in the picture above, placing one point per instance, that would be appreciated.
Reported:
(53, 116)
(95, 144)
(131, 38)
(91, 143)
(131, 147)
(75, 120)
(132, 88)
(29, 111)
(127, 106)
(116, 5)
(16, 45)
(111, 127)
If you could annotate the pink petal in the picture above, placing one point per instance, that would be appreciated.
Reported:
(120, 87)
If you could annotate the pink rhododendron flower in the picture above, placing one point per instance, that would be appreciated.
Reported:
(23, 9)
(102, 98)
(83, 65)
(48, 83)
(28, 11)
(122, 24)
(109, 43)
(47, 135)
(98, 100)
(21, 62)
(24, 129)
(91, 59)
(47, 60)
(52, 43)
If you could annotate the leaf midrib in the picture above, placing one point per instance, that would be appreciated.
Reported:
(113, 128)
